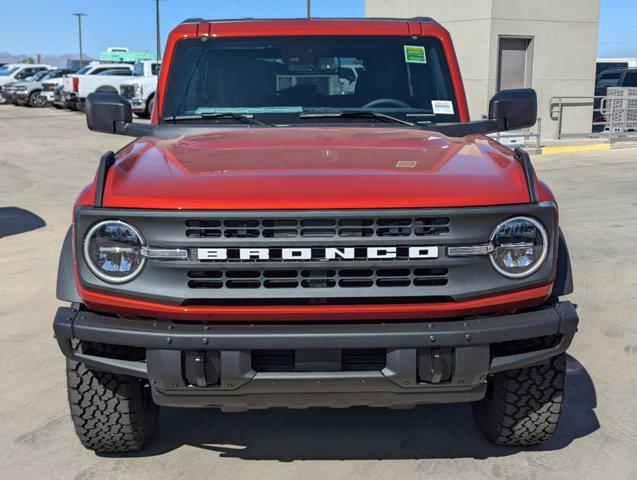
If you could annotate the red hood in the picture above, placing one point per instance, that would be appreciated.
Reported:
(314, 168)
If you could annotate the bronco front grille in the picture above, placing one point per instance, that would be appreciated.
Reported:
(363, 227)
(317, 278)
(315, 257)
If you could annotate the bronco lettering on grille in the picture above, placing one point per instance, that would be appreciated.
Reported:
(322, 253)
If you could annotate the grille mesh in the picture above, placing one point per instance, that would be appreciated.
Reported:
(316, 278)
(127, 91)
(318, 227)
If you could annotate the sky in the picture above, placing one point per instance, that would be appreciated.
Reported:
(47, 27)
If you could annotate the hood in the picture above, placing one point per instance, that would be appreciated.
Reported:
(314, 168)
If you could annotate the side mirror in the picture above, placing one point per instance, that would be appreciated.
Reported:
(105, 109)
(514, 109)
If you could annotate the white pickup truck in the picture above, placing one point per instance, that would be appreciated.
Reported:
(101, 77)
(140, 91)
(17, 72)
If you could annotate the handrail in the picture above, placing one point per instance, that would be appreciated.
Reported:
(605, 111)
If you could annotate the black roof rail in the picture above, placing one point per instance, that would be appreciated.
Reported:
(252, 19)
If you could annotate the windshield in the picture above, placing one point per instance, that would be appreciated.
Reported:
(40, 75)
(609, 79)
(83, 70)
(283, 77)
(7, 70)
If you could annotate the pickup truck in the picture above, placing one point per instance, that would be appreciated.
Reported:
(35, 92)
(140, 91)
(12, 73)
(101, 77)
(269, 240)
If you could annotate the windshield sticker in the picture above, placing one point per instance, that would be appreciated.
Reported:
(414, 54)
(442, 107)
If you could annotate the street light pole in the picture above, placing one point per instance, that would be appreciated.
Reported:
(158, 35)
(79, 26)
(309, 10)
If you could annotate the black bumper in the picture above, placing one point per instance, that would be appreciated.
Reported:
(463, 349)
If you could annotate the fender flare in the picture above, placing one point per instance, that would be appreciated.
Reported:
(563, 284)
(66, 288)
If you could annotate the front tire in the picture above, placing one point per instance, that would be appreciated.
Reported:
(36, 100)
(522, 406)
(111, 412)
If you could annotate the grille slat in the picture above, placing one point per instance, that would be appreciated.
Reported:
(317, 278)
(364, 227)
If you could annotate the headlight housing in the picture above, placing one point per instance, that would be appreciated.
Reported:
(520, 247)
(112, 250)
(139, 90)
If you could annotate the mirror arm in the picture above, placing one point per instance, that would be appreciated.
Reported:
(133, 129)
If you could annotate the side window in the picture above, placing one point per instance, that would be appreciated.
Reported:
(154, 68)
(630, 79)
(97, 71)
(24, 73)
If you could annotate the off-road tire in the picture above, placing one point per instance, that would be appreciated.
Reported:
(111, 412)
(522, 406)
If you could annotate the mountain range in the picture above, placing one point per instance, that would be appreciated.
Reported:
(55, 60)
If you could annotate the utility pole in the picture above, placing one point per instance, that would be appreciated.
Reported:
(158, 35)
(309, 14)
(79, 26)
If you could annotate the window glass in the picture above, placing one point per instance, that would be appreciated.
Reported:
(284, 76)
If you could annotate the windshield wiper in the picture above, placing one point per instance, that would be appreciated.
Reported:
(356, 114)
(240, 117)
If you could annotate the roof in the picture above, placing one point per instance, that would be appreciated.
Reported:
(252, 19)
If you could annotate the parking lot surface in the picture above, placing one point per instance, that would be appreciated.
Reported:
(46, 156)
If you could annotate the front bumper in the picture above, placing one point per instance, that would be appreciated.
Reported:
(48, 96)
(201, 365)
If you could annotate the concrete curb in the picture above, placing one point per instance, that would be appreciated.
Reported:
(593, 147)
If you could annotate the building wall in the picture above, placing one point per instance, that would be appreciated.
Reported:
(564, 35)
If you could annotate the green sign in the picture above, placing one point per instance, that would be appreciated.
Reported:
(415, 54)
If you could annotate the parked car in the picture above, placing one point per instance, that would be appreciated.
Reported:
(30, 92)
(92, 78)
(140, 91)
(613, 77)
(270, 241)
(16, 72)
(51, 81)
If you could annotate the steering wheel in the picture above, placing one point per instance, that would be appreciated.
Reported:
(391, 101)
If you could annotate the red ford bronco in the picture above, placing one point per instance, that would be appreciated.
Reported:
(311, 219)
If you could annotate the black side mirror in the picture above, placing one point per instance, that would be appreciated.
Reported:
(514, 109)
(105, 109)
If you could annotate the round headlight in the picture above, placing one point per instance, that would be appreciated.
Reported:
(520, 246)
(112, 251)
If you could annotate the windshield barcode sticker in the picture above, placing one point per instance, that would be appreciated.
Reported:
(442, 107)
(415, 54)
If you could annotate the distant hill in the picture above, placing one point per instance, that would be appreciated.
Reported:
(55, 60)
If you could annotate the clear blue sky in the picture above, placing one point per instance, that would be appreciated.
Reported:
(46, 26)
